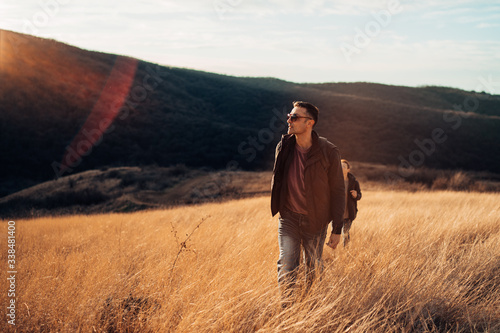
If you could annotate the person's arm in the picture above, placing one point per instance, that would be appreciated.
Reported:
(337, 197)
(276, 181)
(356, 193)
(337, 192)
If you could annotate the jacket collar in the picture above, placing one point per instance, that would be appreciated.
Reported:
(314, 155)
(315, 141)
(290, 138)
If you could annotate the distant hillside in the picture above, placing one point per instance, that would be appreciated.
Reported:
(129, 189)
(50, 91)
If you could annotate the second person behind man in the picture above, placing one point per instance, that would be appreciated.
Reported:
(353, 194)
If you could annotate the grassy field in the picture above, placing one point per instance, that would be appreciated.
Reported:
(418, 262)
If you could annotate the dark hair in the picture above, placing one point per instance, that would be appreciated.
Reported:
(312, 110)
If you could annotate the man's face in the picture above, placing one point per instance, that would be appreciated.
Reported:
(301, 124)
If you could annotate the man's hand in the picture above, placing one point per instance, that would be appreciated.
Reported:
(354, 194)
(334, 241)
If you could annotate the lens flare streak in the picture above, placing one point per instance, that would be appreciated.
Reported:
(103, 113)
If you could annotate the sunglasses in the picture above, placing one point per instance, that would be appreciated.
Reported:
(293, 117)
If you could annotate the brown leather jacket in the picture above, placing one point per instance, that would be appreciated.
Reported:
(324, 181)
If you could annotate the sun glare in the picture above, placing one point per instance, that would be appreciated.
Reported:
(6, 50)
(2, 50)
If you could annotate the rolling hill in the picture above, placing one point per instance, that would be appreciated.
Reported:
(65, 110)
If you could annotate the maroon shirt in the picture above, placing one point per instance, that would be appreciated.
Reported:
(296, 196)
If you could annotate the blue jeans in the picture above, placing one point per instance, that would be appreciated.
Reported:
(291, 236)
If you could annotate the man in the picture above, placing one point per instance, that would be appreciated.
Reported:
(353, 194)
(307, 189)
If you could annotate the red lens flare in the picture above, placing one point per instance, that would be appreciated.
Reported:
(103, 113)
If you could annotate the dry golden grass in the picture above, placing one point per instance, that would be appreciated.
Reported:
(418, 262)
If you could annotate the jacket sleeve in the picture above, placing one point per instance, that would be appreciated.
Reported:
(276, 182)
(276, 152)
(337, 192)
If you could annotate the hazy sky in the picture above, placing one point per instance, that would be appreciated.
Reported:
(426, 42)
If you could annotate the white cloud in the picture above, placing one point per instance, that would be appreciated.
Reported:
(448, 12)
(478, 18)
(269, 37)
(487, 25)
